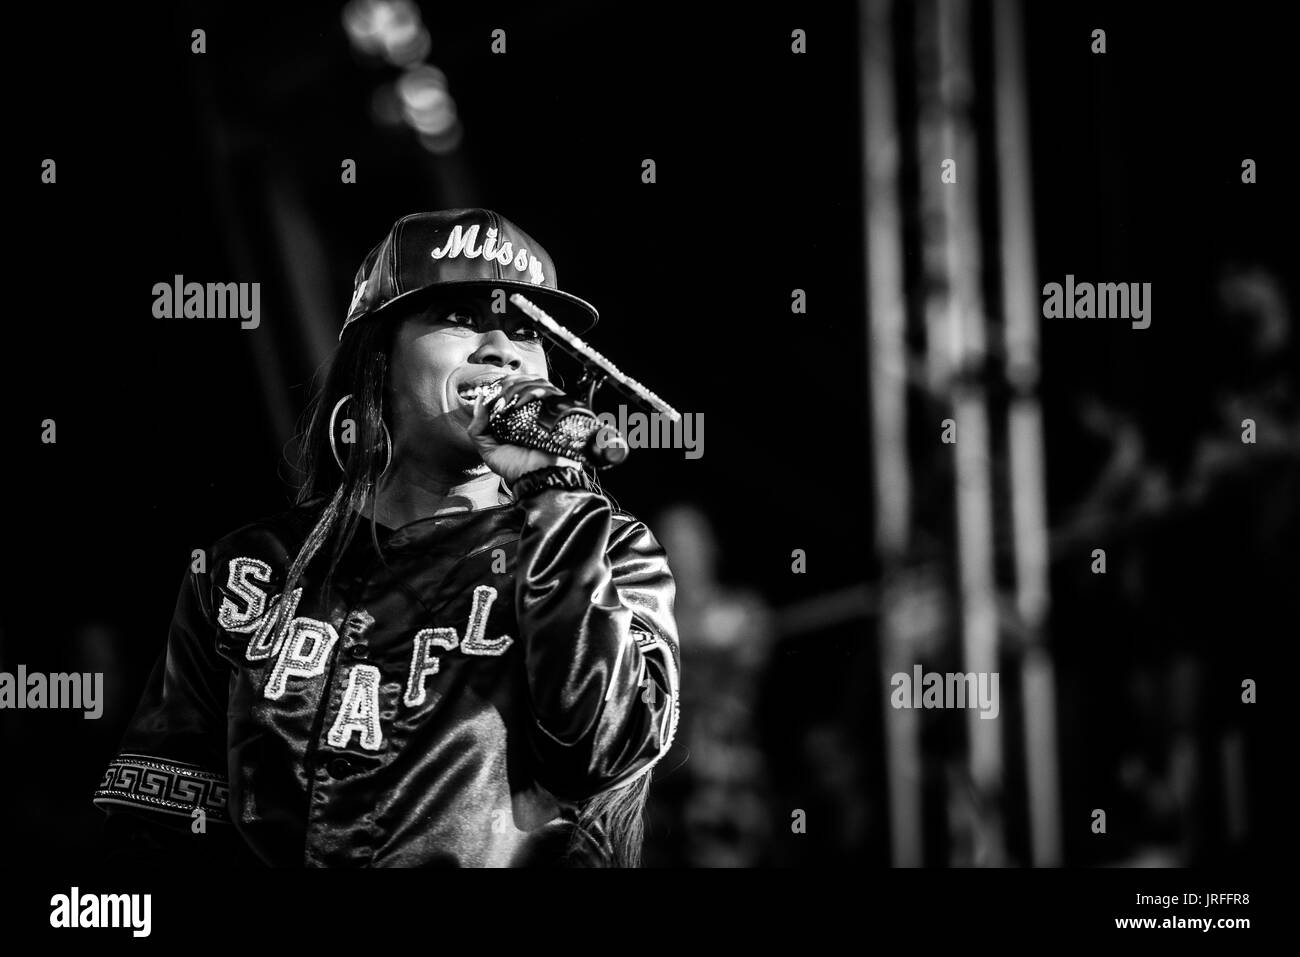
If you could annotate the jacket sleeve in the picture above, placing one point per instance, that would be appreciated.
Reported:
(595, 612)
(172, 759)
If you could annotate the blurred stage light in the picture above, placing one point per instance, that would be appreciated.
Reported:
(444, 143)
(426, 103)
(388, 28)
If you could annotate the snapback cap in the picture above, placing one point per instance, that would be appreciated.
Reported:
(426, 254)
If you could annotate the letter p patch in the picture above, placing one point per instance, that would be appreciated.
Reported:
(304, 654)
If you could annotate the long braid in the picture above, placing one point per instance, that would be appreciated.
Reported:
(279, 620)
(615, 818)
(358, 369)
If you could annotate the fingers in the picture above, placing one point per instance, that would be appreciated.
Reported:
(478, 424)
(519, 389)
(515, 390)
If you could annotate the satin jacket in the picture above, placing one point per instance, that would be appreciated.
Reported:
(446, 705)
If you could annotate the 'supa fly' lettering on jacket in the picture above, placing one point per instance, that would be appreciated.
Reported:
(435, 711)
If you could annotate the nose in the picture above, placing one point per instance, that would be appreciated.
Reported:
(497, 349)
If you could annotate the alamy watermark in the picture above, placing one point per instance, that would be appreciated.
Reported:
(75, 909)
(641, 430)
(179, 299)
(975, 689)
(76, 691)
(1105, 300)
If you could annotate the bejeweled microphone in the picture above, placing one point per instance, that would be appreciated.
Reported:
(562, 425)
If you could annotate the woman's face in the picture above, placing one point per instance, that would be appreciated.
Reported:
(439, 356)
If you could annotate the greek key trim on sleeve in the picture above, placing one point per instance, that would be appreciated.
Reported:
(649, 644)
(140, 781)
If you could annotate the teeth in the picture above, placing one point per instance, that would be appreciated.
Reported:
(487, 390)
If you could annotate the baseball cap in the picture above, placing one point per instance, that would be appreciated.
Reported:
(426, 254)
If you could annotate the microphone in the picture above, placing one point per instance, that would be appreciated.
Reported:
(562, 426)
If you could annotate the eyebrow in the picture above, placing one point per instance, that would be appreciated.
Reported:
(509, 322)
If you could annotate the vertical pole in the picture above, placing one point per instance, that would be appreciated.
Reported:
(958, 345)
(1025, 432)
(886, 360)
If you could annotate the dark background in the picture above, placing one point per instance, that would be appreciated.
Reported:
(210, 165)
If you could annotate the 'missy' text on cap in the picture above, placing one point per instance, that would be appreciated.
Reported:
(461, 243)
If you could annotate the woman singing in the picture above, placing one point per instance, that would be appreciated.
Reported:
(451, 651)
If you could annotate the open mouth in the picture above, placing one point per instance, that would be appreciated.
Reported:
(487, 387)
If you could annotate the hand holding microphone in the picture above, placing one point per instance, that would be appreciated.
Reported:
(531, 424)
(542, 426)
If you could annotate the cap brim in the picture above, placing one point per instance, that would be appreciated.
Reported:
(575, 314)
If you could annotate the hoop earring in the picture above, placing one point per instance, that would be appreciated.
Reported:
(388, 439)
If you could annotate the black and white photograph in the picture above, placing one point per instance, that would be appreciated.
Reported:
(855, 442)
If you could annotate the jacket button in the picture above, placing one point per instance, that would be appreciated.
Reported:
(359, 651)
(339, 767)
